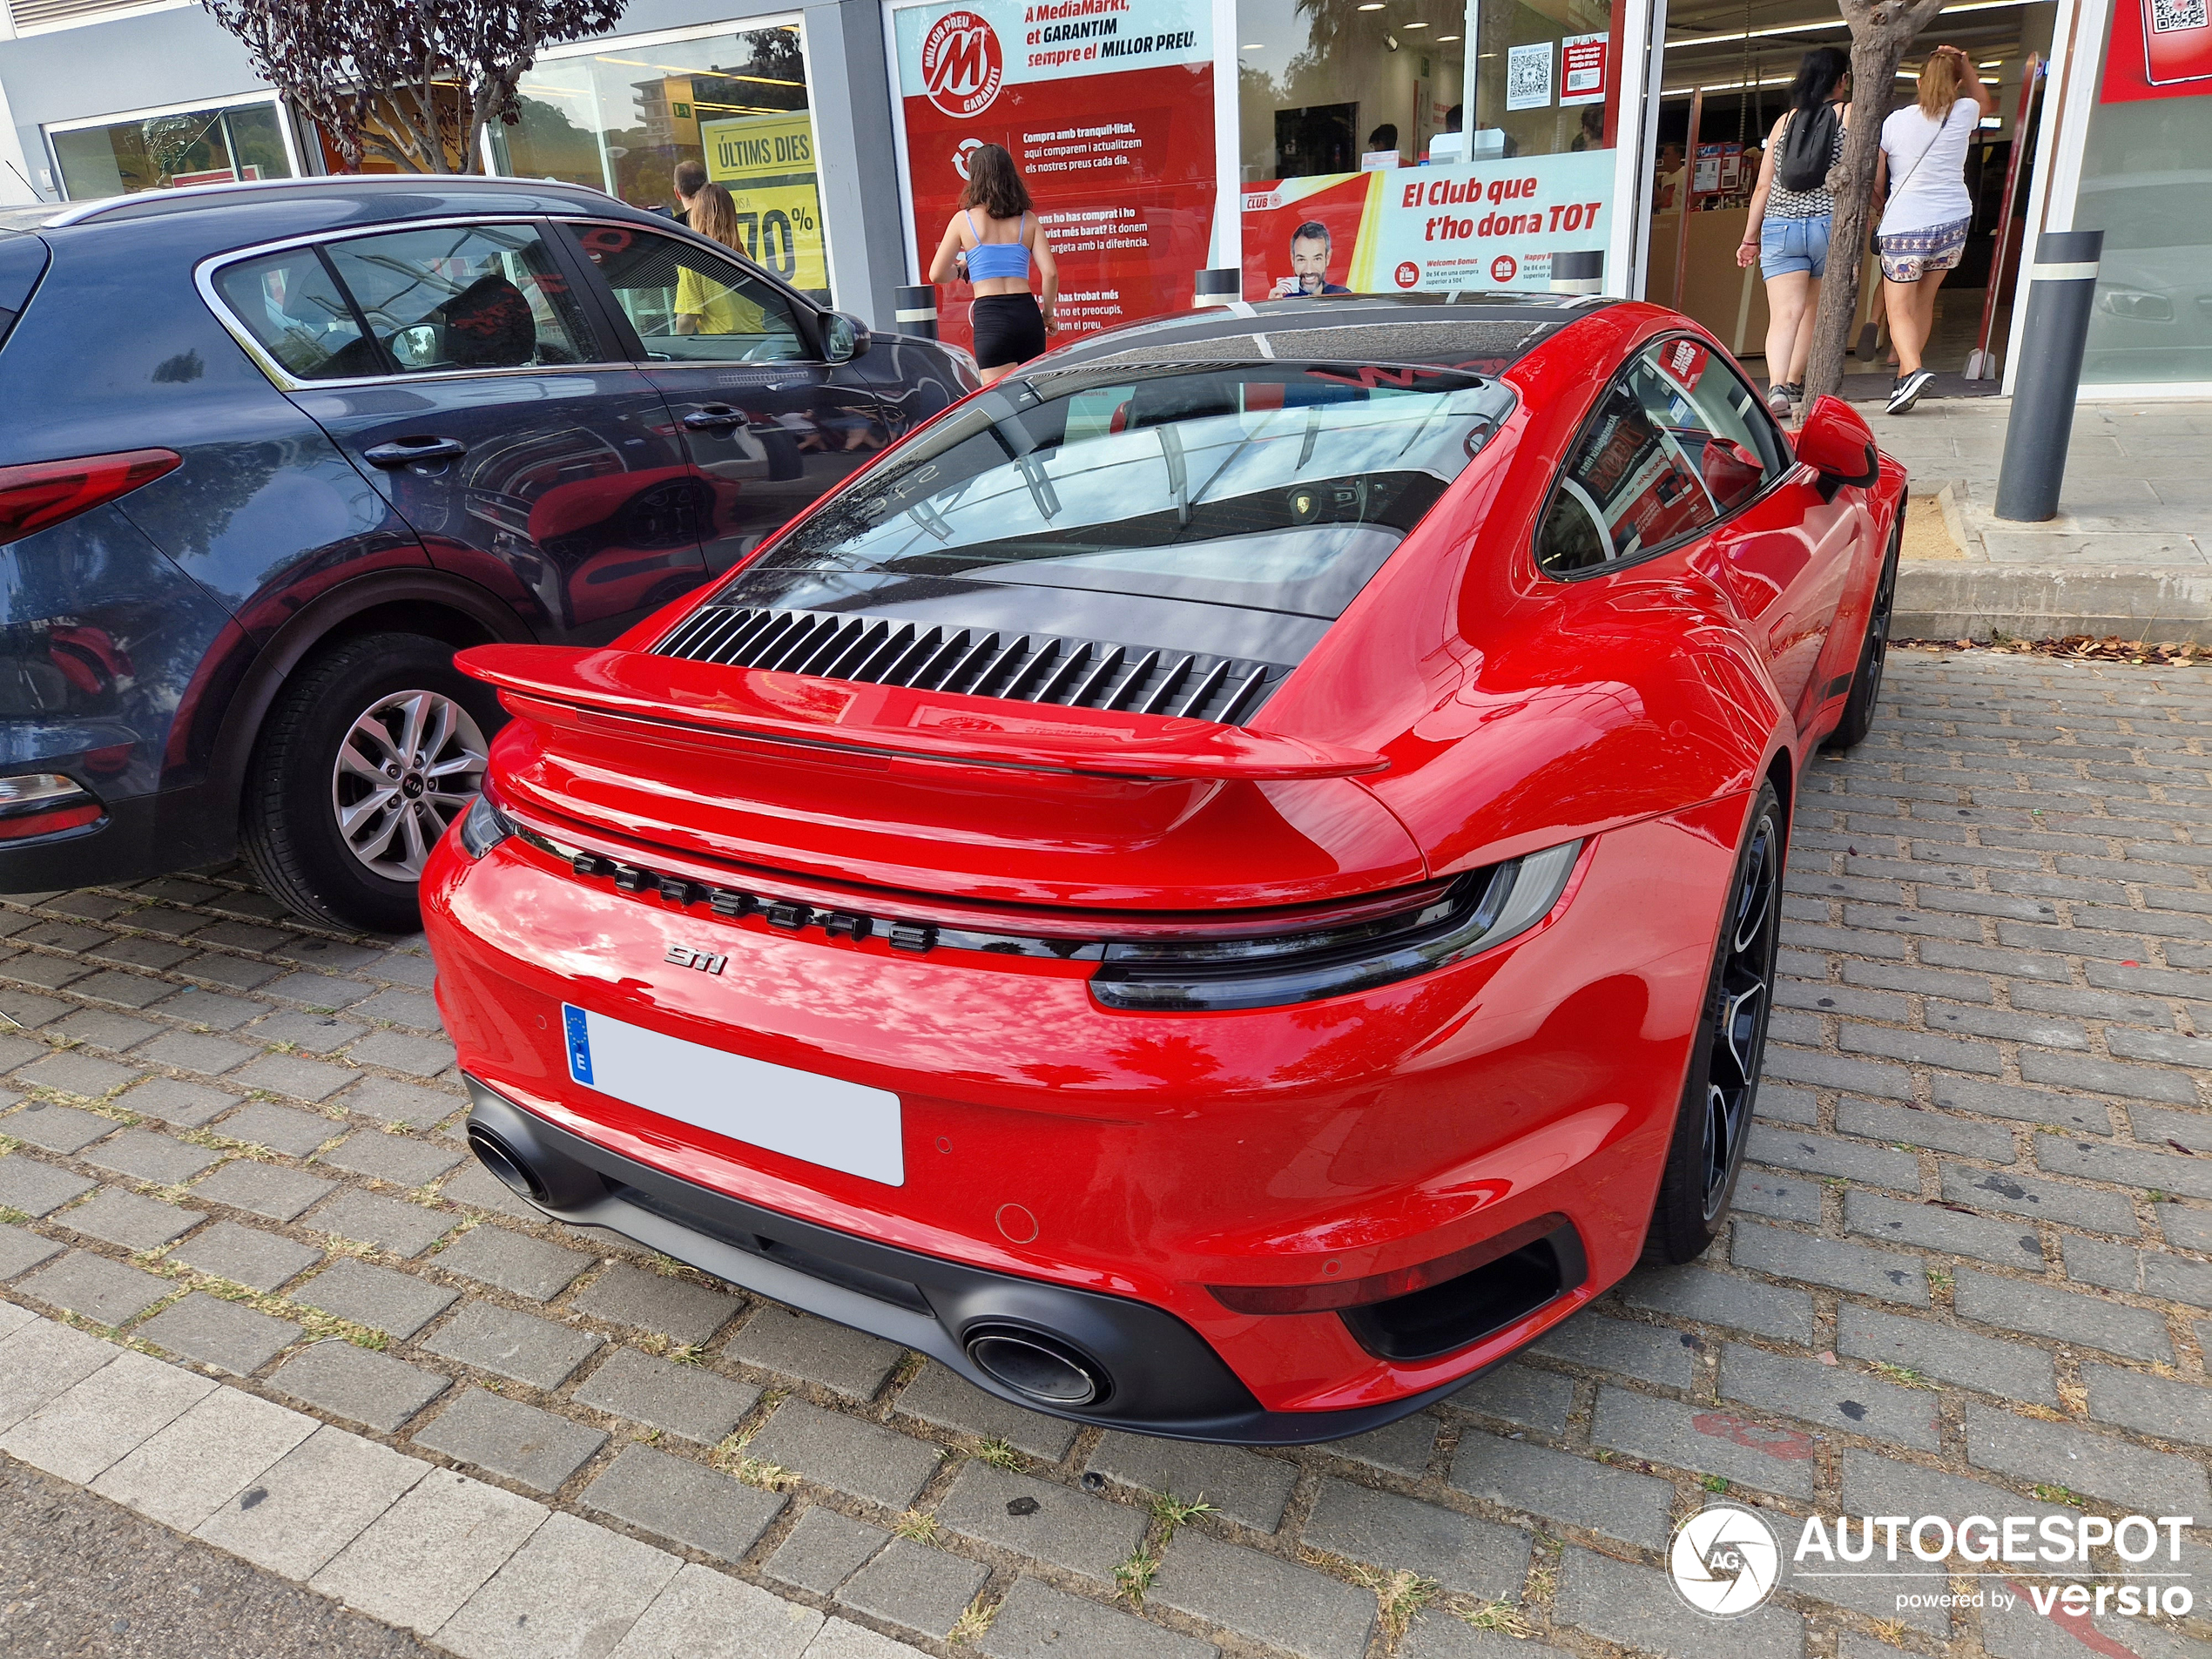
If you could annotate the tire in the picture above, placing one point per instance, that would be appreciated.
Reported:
(1706, 1155)
(337, 819)
(1866, 678)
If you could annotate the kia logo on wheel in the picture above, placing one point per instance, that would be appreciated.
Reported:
(1408, 273)
(1504, 268)
(962, 66)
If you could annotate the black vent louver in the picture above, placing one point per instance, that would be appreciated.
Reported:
(980, 662)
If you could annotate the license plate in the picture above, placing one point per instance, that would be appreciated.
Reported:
(823, 1120)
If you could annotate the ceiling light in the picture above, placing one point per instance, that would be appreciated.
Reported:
(1251, 46)
(1372, 5)
(1441, 39)
(1994, 62)
(1417, 25)
(1814, 24)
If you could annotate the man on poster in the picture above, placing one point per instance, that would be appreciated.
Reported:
(1310, 249)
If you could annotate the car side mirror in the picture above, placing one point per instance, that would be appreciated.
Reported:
(1837, 443)
(844, 336)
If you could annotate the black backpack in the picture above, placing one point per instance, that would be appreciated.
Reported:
(1808, 145)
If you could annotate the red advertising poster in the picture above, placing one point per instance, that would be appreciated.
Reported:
(2160, 49)
(1107, 107)
(1581, 71)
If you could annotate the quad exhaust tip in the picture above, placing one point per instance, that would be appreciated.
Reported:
(1037, 1366)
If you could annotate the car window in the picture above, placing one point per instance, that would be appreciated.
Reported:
(689, 304)
(1677, 442)
(295, 309)
(463, 297)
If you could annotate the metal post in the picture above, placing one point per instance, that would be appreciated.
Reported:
(915, 310)
(1218, 287)
(1580, 272)
(2061, 283)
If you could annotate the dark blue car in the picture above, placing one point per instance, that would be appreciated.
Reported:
(273, 452)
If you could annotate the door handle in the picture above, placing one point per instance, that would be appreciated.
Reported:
(405, 451)
(715, 417)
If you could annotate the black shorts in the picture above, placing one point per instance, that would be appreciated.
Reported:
(1008, 329)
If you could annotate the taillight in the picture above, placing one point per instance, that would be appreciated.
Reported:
(44, 803)
(44, 493)
(1482, 909)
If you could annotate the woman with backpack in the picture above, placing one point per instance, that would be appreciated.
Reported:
(1923, 231)
(1791, 212)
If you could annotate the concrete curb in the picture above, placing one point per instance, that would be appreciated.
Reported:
(1972, 600)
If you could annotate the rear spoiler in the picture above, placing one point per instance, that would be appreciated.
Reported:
(670, 698)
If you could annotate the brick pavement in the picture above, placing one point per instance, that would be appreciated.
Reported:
(1972, 1270)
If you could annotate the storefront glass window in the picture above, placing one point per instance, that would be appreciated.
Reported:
(624, 117)
(211, 146)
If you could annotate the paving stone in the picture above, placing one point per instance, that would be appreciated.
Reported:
(710, 1615)
(508, 1344)
(1792, 1148)
(1035, 1621)
(184, 1472)
(682, 1310)
(130, 1220)
(121, 989)
(1825, 1261)
(1780, 1105)
(410, 1008)
(1520, 1394)
(20, 1250)
(104, 1029)
(473, 1188)
(312, 1502)
(2069, 1315)
(197, 1051)
(1940, 1131)
(1652, 1353)
(80, 1431)
(216, 1332)
(397, 1158)
(1402, 1448)
(287, 1074)
(1844, 1399)
(1437, 1634)
(1041, 1519)
(29, 1010)
(1638, 1607)
(1839, 1071)
(911, 1584)
(1296, 1608)
(389, 1224)
(2126, 1165)
(316, 991)
(2106, 1076)
(214, 1009)
(281, 1128)
(824, 1550)
(1781, 1197)
(1934, 1227)
(1248, 1488)
(2171, 1411)
(845, 1452)
(418, 1563)
(373, 1389)
(397, 1103)
(174, 1101)
(2117, 1267)
(1463, 1553)
(690, 1400)
(2183, 1227)
(2155, 1483)
(376, 1297)
(264, 1189)
(1694, 1292)
(687, 1502)
(397, 1051)
(798, 1344)
(327, 956)
(2106, 1212)
(1559, 1486)
(528, 1267)
(77, 1074)
(315, 1033)
(529, 1447)
(105, 1292)
(144, 1155)
(57, 1129)
(36, 1189)
(574, 1588)
(1947, 1352)
(1709, 1441)
(234, 973)
(938, 1397)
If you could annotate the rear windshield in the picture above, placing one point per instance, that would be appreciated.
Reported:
(23, 257)
(1281, 487)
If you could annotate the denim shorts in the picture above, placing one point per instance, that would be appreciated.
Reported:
(1787, 244)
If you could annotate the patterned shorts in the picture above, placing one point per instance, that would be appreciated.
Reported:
(1910, 255)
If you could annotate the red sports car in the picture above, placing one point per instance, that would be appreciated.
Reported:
(1221, 886)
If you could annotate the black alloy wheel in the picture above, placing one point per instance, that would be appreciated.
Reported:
(1866, 678)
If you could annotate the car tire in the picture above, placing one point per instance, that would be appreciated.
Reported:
(1706, 1155)
(1873, 653)
(371, 749)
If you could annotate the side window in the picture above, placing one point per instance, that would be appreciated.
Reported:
(689, 305)
(461, 297)
(291, 306)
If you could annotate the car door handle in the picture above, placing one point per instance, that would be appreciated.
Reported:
(715, 417)
(405, 451)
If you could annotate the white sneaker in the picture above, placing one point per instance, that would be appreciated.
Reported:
(1907, 391)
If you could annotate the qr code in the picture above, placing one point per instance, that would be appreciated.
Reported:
(2168, 14)
(1529, 77)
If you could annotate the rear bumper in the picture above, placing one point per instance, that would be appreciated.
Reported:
(145, 835)
(1167, 1381)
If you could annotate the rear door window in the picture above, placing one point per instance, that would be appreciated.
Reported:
(296, 311)
(690, 305)
(464, 297)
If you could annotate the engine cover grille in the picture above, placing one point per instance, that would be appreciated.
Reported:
(1023, 668)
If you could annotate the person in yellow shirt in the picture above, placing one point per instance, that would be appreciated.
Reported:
(704, 306)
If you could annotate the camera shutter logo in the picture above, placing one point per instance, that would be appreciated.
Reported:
(963, 65)
(1724, 1561)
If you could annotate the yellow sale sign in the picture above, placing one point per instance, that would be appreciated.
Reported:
(767, 162)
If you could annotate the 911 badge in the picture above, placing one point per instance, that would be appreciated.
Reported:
(705, 961)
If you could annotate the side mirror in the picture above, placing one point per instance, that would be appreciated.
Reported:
(844, 336)
(1837, 443)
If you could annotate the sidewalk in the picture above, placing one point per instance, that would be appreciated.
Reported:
(2127, 555)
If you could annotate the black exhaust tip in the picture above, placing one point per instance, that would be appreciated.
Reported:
(505, 1162)
(1037, 1366)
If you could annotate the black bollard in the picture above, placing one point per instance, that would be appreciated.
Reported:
(2061, 284)
(916, 310)
(1220, 285)
(1580, 271)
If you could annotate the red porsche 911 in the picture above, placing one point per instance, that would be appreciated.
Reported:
(1220, 888)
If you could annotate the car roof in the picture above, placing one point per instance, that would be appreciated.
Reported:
(351, 196)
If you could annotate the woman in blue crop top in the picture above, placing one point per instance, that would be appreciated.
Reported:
(992, 241)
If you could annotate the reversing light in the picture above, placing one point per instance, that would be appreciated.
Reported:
(1481, 909)
(41, 494)
(45, 803)
(483, 826)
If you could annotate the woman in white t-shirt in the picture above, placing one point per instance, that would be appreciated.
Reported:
(1922, 172)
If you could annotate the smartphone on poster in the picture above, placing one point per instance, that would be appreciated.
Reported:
(2177, 41)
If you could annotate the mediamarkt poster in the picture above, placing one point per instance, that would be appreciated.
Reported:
(1107, 106)
(1477, 224)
